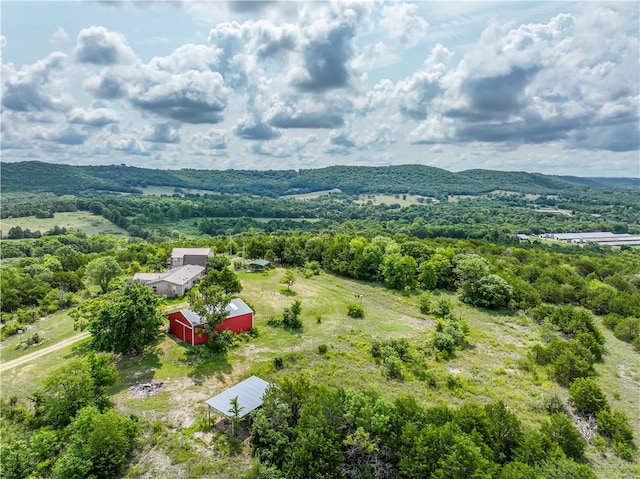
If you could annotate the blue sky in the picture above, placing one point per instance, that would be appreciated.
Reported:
(551, 87)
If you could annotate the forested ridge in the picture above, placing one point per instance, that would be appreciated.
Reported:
(35, 176)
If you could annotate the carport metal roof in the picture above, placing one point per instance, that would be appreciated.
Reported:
(249, 393)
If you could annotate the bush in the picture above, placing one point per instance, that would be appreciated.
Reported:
(614, 425)
(442, 309)
(355, 310)
(611, 320)
(424, 303)
(587, 397)
(322, 348)
(627, 329)
(278, 362)
(223, 341)
(553, 403)
(561, 430)
(10, 328)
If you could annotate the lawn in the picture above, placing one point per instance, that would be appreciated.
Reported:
(402, 200)
(77, 220)
(488, 369)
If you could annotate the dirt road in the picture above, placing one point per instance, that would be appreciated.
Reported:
(36, 354)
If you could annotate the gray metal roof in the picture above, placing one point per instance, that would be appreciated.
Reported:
(181, 252)
(236, 307)
(249, 393)
(260, 262)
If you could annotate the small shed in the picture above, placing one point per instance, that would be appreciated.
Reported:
(188, 326)
(249, 393)
(259, 264)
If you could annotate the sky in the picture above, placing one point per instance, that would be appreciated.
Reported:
(548, 87)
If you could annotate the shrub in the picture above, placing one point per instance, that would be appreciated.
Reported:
(561, 430)
(627, 329)
(553, 403)
(614, 425)
(355, 310)
(442, 308)
(424, 303)
(443, 342)
(611, 320)
(322, 348)
(278, 362)
(587, 397)
(222, 341)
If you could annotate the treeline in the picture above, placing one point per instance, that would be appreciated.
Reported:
(495, 218)
(71, 430)
(408, 179)
(485, 274)
(305, 430)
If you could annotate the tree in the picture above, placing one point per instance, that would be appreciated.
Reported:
(225, 278)
(218, 262)
(128, 322)
(399, 271)
(235, 411)
(561, 430)
(101, 271)
(490, 291)
(210, 302)
(427, 278)
(99, 444)
(291, 315)
(64, 392)
(587, 397)
(289, 278)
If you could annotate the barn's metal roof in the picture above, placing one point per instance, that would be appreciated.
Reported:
(249, 393)
(236, 307)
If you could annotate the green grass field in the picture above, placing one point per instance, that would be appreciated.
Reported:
(170, 190)
(402, 200)
(77, 220)
(487, 370)
(51, 330)
(312, 196)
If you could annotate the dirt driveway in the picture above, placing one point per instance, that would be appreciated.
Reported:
(36, 354)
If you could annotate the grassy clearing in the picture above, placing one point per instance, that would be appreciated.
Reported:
(51, 329)
(312, 196)
(23, 380)
(400, 199)
(170, 191)
(77, 220)
(178, 439)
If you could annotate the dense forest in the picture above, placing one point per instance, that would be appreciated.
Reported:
(427, 246)
(413, 179)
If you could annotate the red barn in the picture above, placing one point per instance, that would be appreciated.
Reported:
(188, 325)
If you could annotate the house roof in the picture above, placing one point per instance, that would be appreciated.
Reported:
(249, 393)
(236, 307)
(181, 252)
(179, 276)
(260, 262)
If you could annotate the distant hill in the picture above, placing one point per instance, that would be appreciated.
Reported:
(34, 176)
(604, 182)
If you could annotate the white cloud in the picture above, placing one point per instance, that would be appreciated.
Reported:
(59, 36)
(35, 87)
(93, 117)
(100, 46)
(403, 23)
